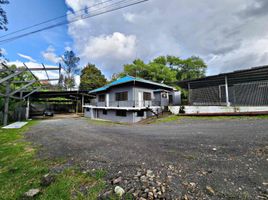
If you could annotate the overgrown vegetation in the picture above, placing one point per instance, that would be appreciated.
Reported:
(21, 170)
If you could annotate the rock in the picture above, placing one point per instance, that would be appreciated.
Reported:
(185, 197)
(150, 174)
(138, 174)
(192, 184)
(214, 149)
(163, 189)
(136, 193)
(119, 191)
(210, 190)
(107, 193)
(117, 180)
(47, 179)
(143, 178)
(150, 195)
(32, 193)
(141, 198)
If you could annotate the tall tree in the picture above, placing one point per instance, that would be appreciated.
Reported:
(191, 68)
(166, 69)
(70, 61)
(3, 25)
(154, 70)
(91, 78)
(3, 15)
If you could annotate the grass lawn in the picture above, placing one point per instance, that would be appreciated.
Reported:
(21, 170)
(177, 118)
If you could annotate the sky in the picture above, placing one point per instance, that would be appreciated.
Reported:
(229, 35)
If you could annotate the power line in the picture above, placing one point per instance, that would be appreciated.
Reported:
(107, 9)
(53, 19)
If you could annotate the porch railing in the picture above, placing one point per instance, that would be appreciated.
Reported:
(127, 104)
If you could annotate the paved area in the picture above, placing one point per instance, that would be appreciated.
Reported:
(190, 158)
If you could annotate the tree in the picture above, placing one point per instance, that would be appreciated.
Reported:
(191, 68)
(91, 78)
(155, 70)
(71, 68)
(166, 69)
(3, 25)
(3, 16)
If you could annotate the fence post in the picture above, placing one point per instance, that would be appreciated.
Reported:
(227, 91)
(28, 109)
(189, 94)
(5, 120)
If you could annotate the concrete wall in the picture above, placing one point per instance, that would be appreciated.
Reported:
(132, 116)
(218, 109)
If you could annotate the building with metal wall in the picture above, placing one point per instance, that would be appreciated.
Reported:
(239, 88)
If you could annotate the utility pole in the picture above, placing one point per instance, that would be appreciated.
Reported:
(6, 104)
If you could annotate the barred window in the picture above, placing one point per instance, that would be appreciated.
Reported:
(102, 98)
(121, 96)
(147, 96)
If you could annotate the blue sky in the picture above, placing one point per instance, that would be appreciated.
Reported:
(24, 13)
(229, 35)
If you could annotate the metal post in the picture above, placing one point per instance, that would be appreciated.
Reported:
(20, 109)
(189, 94)
(227, 91)
(76, 105)
(28, 108)
(83, 102)
(5, 120)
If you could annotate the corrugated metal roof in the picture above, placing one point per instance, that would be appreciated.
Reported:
(127, 79)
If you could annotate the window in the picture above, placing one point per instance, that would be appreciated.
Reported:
(121, 96)
(164, 95)
(104, 112)
(147, 96)
(140, 113)
(87, 109)
(102, 98)
(121, 113)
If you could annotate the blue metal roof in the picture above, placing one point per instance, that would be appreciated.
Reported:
(125, 80)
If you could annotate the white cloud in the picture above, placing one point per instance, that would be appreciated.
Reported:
(50, 55)
(233, 33)
(27, 57)
(117, 45)
(3, 51)
(130, 17)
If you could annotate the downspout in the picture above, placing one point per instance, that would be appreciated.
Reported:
(134, 93)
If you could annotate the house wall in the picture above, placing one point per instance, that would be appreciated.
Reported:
(133, 97)
(132, 116)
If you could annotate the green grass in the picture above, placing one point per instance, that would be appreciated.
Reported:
(177, 118)
(104, 122)
(21, 170)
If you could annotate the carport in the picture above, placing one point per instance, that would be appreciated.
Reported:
(60, 102)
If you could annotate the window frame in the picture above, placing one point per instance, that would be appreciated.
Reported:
(147, 96)
(121, 96)
(101, 97)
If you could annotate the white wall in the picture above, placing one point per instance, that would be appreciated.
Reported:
(217, 109)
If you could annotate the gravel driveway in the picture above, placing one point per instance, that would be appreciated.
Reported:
(190, 158)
